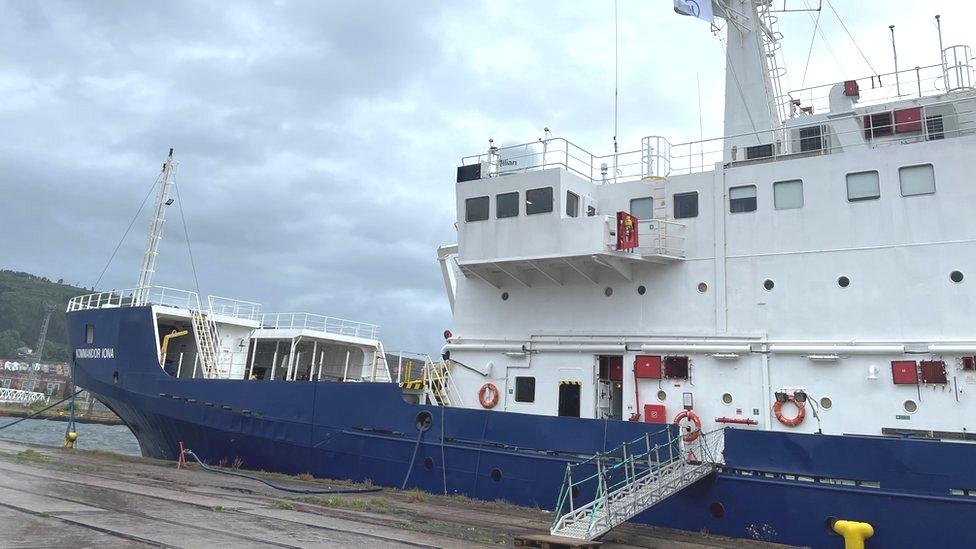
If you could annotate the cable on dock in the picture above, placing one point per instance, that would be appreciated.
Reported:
(283, 488)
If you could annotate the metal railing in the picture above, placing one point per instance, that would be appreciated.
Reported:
(153, 295)
(236, 308)
(20, 396)
(622, 483)
(658, 237)
(318, 323)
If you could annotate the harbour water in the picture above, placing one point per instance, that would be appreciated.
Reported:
(111, 438)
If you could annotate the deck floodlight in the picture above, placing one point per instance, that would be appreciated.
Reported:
(781, 397)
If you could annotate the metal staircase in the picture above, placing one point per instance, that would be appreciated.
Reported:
(439, 387)
(208, 338)
(629, 480)
(381, 369)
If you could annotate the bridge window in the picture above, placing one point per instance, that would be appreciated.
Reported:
(538, 201)
(506, 205)
(642, 208)
(811, 139)
(863, 186)
(686, 205)
(572, 204)
(89, 333)
(788, 195)
(476, 209)
(742, 199)
(524, 389)
(917, 180)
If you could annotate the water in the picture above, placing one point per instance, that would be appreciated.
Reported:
(111, 438)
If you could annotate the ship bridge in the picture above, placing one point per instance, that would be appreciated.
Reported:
(541, 212)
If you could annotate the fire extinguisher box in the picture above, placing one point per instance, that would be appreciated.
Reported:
(647, 367)
(655, 413)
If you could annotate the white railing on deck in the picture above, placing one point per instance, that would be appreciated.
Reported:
(318, 323)
(657, 237)
(154, 295)
(236, 308)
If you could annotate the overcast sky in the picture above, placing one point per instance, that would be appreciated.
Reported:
(318, 140)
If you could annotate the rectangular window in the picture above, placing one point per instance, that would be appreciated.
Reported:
(506, 205)
(476, 209)
(538, 201)
(916, 180)
(934, 127)
(642, 208)
(89, 333)
(863, 186)
(686, 205)
(572, 204)
(759, 151)
(811, 139)
(524, 389)
(788, 195)
(742, 199)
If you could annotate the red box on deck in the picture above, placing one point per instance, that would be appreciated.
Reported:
(904, 372)
(655, 413)
(908, 120)
(851, 89)
(933, 371)
(647, 367)
(626, 231)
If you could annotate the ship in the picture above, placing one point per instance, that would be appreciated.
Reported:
(763, 335)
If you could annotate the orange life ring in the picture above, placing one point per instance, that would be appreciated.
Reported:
(795, 420)
(488, 395)
(688, 414)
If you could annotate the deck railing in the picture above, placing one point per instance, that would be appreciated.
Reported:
(153, 295)
(318, 323)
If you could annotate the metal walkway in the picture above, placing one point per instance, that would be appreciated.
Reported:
(628, 480)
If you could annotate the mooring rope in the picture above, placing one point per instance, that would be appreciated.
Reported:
(39, 412)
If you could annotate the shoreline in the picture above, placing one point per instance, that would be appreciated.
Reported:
(61, 415)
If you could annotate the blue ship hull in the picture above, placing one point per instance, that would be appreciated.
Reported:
(779, 487)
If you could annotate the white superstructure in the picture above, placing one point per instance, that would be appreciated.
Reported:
(832, 254)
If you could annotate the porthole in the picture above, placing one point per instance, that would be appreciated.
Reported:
(428, 463)
(504, 296)
(496, 474)
(702, 287)
(727, 398)
(662, 396)
(608, 291)
(768, 284)
(826, 403)
(717, 510)
(843, 282)
(956, 276)
(641, 290)
(911, 406)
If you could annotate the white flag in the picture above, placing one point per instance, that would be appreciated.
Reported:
(701, 9)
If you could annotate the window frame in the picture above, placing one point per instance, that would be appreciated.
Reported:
(778, 184)
(901, 184)
(518, 389)
(530, 206)
(576, 210)
(847, 181)
(674, 200)
(89, 334)
(640, 198)
(467, 208)
(754, 198)
(498, 208)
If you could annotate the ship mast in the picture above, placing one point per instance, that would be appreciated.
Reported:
(166, 180)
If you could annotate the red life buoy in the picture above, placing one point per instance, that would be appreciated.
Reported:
(690, 415)
(488, 395)
(801, 412)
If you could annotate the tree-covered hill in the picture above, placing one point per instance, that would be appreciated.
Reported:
(23, 298)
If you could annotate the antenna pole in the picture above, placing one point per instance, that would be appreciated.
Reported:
(616, 72)
(942, 59)
(166, 179)
(895, 52)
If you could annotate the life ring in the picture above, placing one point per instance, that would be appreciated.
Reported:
(488, 395)
(688, 414)
(801, 412)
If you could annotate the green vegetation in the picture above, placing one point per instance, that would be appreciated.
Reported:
(31, 456)
(23, 298)
(285, 505)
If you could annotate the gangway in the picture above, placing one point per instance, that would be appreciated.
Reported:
(20, 396)
(629, 480)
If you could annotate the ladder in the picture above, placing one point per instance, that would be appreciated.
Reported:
(381, 369)
(629, 480)
(439, 387)
(207, 336)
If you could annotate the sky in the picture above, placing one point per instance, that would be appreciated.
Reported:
(318, 140)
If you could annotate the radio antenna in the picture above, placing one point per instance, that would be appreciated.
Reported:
(616, 72)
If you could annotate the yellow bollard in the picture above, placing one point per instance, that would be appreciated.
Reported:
(854, 533)
(69, 439)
